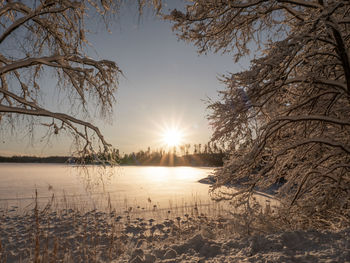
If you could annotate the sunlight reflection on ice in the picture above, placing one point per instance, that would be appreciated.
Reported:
(93, 187)
(136, 184)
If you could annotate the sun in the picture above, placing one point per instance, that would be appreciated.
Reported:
(172, 137)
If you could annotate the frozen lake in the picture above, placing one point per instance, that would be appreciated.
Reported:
(93, 186)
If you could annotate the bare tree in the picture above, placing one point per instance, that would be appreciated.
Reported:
(288, 115)
(48, 38)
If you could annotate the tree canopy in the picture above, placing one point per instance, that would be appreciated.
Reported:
(287, 117)
(47, 38)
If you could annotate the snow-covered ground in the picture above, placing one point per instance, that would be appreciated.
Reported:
(295, 246)
(94, 236)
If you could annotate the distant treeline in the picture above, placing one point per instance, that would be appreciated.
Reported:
(201, 155)
(167, 159)
(209, 155)
(34, 159)
(170, 159)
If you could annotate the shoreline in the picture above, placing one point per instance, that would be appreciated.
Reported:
(117, 165)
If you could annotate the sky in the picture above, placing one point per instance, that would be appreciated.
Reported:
(165, 84)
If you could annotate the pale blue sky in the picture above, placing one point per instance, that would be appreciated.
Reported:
(165, 82)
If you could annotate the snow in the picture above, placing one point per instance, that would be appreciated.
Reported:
(71, 236)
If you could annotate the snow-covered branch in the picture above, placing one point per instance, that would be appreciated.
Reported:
(312, 118)
(40, 112)
(49, 36)
(287, 117)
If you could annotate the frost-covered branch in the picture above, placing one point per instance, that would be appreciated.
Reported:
(287, 116)
(40, 37)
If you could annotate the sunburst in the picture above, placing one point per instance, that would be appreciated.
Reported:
(172, 137)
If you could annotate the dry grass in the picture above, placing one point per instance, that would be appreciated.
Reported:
(61, 231)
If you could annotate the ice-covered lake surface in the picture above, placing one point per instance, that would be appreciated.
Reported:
(94, 186)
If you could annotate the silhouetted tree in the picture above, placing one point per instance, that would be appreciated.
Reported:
(195, 149)
(182, 149)
(188, 147)
(209, 148)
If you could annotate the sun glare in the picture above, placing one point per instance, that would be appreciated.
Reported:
(172, 137)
